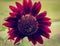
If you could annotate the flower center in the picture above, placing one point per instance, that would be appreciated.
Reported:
(27, 25)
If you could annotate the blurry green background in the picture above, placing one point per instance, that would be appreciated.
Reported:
(53, 11)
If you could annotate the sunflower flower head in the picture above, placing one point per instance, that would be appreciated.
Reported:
(26, 21)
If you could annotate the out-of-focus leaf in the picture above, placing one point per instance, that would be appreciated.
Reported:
(9, 0)
(24, 42)
(2, 28)
(1, 39)
(18, 44)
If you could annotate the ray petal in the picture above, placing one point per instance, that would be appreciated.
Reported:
(8, 24)
(12, 37)
(45, 23)
(19, 6)
(45, 19)
(9, 19)
(40, 40)
(45, 29)
(13, 8)
(26, 6)
(10, 30)
(36, 8)
(11, 33)
(41, 15)
(30, 3)
(13, 15)
(17, 40)
(45, 34)
(32, 39)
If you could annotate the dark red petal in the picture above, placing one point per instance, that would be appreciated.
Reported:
(36, 8)
(45, 29)
(12, 20)
(17, 40)
(26, 7)
(33, 38)
(30, 3)
(10, 31)
(45, 23)
(45, 34)
(11, 34)
(34, 42)
(41, 15)
(24, 2)
(45, 19)
(19, 6)
(13, 8)
(8, 24)
(12, 37)
(13, 15)
(40, 40)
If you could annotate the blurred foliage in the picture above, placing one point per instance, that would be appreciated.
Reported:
(3, 28)
(1, 39)
(6, 0)
(53, 11)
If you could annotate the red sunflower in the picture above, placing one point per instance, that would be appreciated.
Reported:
(26, 21)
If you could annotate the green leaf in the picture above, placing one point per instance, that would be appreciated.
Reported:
(17, 44)
(24, 42)
(1, 39)
(3, 28)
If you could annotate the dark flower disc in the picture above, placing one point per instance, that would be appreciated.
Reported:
(29, 24)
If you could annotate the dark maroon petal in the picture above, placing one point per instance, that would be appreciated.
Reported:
(13, 15)
(19, 6)
(9, 19)
(8, 24)
(40, 40)
(30, 3)
(10, 31)
(45, 19)
(36, 8)
(13, 8)
(26, 6)
(17, 40)
(24, 2)
(18, 15)
(45, 28)
(11, 34)
(45, 34)
(32, 40)
(12, 37)
(11, 24)
(41, 15)
(45, 23)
